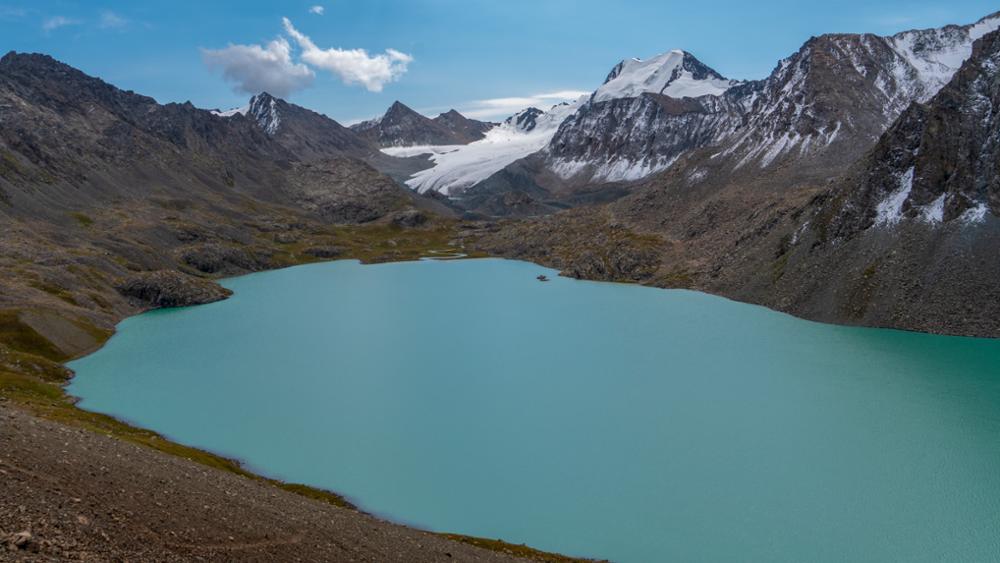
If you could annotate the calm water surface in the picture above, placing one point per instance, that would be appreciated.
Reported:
(595, 419)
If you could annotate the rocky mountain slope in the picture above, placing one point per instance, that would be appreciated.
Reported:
(400, 126)
(311, 136)
(909, 236)
(71, 141)
(818, 111)
(100, 189)
(306, 134)
(905, 237)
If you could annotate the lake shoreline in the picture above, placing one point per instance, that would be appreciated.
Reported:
(55, 407)
(43, 394)
(350, 346)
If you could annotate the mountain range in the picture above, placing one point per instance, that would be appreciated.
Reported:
(841, 187)
(889, 222)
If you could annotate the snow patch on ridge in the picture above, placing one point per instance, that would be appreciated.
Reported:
(933, 212)
(890, 210)
(611, 170)
(932, 57)
(975, 214)
(231, 112)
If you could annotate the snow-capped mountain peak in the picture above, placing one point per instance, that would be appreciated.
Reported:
(676, 73)
(264, 110)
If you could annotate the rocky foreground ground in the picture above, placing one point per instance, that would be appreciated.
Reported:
(72, 494)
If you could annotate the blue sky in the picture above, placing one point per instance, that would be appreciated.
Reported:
(474, 55)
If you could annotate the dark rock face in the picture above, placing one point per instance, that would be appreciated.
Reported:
(620, 261)
(168, 288)
(464, 129)
(939, 162)
(402, 127)
(219, 259)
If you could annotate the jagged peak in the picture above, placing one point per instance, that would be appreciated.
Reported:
(264, 98)
(263, 109)
(397, 110)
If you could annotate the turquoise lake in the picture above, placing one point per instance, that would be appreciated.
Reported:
(603, 420)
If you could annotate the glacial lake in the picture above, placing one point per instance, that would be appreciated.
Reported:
(593, 419)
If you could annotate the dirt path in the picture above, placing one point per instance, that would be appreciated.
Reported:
(85, 496)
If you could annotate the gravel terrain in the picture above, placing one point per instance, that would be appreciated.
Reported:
(71, 494)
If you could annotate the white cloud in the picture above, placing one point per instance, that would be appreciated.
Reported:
(55, 22)
(8, 13)
(111, 20)
(353, 66)
(499, 108)
(255, 68)
(318, 10)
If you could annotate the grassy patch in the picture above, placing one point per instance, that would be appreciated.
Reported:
(870, 270)
(373, 244)
(30, 365)
(778, 268)
(25, 389)
(522, 551)
(318, 494)
(53, 290)
(82, 219)
(678, 279)
(21, 337)
(9, 165)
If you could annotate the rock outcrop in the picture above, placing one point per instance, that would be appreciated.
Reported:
(169, 288)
